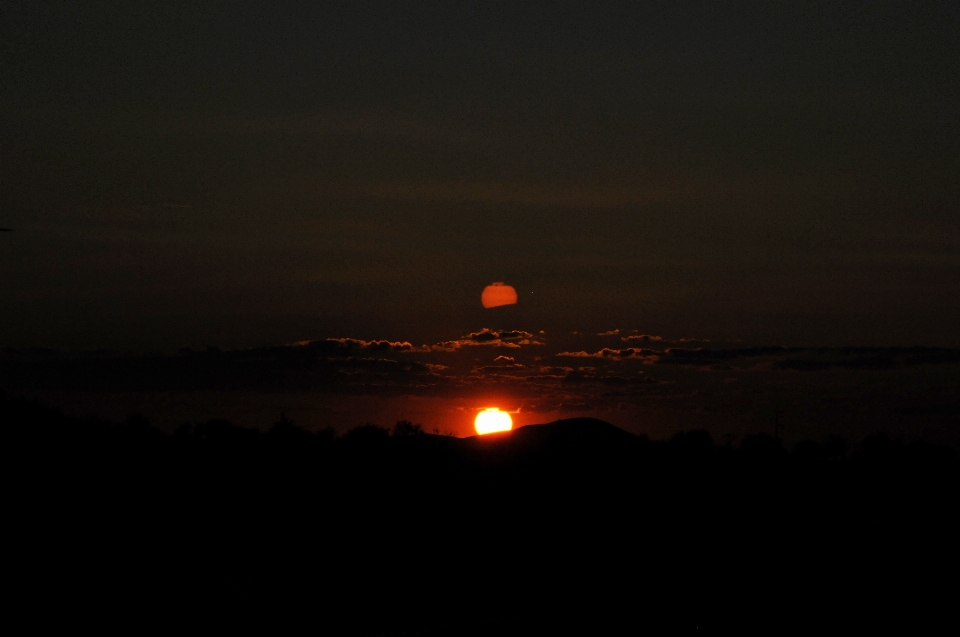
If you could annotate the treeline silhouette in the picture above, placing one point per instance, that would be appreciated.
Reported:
(570, 524)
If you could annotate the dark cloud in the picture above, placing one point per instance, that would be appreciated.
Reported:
(816, 359)
(648, 355)
(870, 358)
(352, 362)
(496, 338)
(635, 337)
(485, 369)
(349, 344)
(485, 336)
(549, 373)
(586, 375)
(641, 338)
(513, 335)
(701, 356)
(313, 365)
(650, 338)
(808, 365)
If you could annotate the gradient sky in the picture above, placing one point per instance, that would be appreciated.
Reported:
(237, 174)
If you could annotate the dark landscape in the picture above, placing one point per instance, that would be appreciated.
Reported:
(574, 524)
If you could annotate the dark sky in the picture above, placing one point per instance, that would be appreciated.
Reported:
(240, 174)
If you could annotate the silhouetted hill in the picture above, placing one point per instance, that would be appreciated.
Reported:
(574, 441)
(567, 433)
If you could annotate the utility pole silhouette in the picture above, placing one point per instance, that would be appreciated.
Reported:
(776, 425)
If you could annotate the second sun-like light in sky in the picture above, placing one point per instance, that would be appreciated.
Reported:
(497, 294)
(491, 420)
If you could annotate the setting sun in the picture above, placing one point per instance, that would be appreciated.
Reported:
(491, 420)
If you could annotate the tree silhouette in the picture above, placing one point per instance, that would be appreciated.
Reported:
(407, 428)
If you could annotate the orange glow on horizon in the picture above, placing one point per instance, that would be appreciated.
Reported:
(491, 420)
(497, 294)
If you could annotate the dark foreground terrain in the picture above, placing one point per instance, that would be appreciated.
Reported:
(573, 525)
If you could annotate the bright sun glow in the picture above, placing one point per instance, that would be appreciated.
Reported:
(492, 419)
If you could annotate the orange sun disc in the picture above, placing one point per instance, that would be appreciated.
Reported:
(491, 420)
(497, 294)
